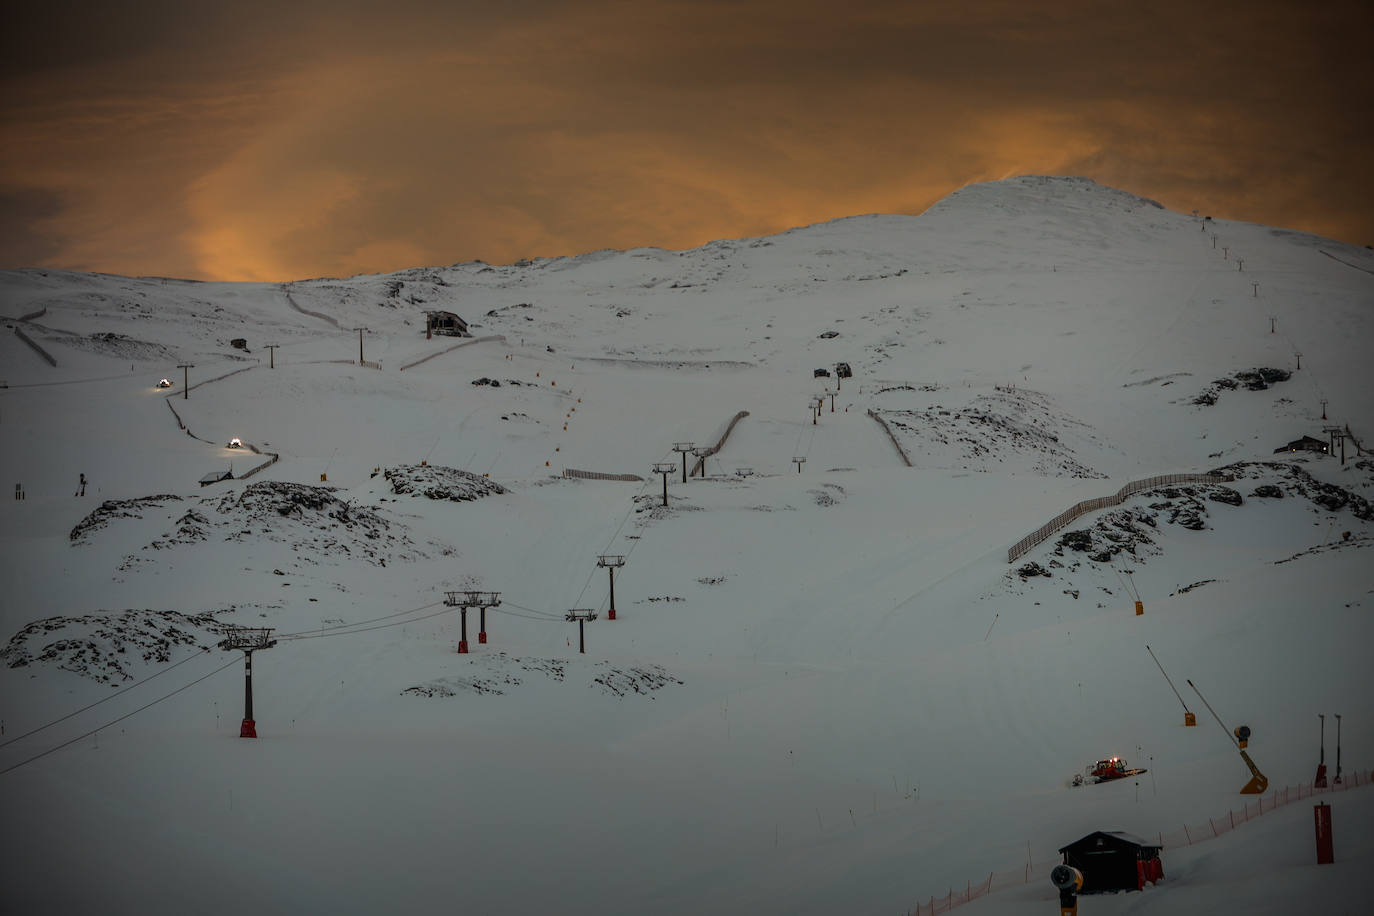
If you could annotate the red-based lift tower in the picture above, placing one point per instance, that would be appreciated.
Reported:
(611, 564)
(467, 600)
(248, 639)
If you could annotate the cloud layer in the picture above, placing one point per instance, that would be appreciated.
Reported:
(251, 143)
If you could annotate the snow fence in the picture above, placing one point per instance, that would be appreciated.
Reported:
(18, 332)
(1066, 517)
(700, 466)
(888, 429)
(597, 475)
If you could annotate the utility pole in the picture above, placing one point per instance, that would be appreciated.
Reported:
(271, 355)
(683, 448)
(248, 639)
(1225, 253)
(1323, 408)
(665, 468)
(1240, 264)
(1255, 290)
(1320, 781)
(582, 616)
(360, 344)
(610, 564)
(799, 461)
(185, 379)
(832, 402)
(1273, 320)
(1214, 242)
(1299, 356)
(1337, 780)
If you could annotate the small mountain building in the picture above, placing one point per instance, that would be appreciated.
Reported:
(446, 323)
(1111, 860)
(1305, 444)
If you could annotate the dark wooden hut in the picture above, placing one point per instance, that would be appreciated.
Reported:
(1305, 444)
(446, 323)
(1111, 860)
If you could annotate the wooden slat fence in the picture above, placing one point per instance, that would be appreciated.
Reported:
(597, 475)
(303, 311)
(887, 429)
(266, 464)
(1066, 517)
(700, 466)
(19, 332)
(450, 349)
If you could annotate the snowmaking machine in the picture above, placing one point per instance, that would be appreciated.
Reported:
(1240, 737)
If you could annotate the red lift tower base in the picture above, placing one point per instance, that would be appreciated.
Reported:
(249, 729)
(462, 646)
(482, 637)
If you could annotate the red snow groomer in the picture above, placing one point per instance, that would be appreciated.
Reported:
(1106, 771)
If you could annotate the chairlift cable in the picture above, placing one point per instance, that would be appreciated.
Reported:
(232, 662)
(356, 623)
(106, 699)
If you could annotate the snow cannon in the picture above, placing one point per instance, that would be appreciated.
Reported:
(1069, 880)
(1258, 781)
(1240, 738)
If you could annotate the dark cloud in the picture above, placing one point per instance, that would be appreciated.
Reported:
(272, 141)
(23, 240)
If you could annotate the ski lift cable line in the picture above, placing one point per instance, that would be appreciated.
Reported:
(358, 623)
(611, 543)
(541, 619)
(117, 693)
(531, 610)
(167, 696)
(1128, 587)
(362, 629)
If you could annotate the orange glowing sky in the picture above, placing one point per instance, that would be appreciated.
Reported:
(265, 141)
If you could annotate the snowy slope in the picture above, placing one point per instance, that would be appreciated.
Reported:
(825, 691)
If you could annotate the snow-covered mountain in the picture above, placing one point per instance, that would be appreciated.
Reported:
(825, 690)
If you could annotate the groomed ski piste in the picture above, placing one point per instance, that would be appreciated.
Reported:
(825, 690)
